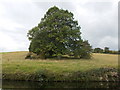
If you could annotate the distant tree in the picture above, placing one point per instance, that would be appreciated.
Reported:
(98, 50)
(119, 51)
(58, 34)
(113, 52)
(106, 50)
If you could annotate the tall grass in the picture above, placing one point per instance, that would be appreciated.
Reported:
(15, 67)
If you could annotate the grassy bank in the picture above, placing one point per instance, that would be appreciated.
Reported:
(102, 67)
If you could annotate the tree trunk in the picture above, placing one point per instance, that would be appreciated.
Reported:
(42, 55)
(59, 57)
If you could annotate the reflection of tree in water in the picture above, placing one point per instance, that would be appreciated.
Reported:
(25, 84)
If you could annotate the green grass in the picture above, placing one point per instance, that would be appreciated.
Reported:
(14, 65)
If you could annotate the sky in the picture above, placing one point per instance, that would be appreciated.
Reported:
(98, 21)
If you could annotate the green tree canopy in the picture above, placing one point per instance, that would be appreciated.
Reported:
(106, 50)
(58, 34)
(98, 50)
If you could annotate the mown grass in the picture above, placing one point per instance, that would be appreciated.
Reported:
(15, 67)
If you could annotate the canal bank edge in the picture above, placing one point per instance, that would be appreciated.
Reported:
(101, 74)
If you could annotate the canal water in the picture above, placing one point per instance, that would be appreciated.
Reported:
(34, 85)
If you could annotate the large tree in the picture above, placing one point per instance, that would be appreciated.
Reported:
(58, 34)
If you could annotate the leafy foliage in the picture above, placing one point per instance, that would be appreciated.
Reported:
(98, 50)
(58, 34)
(105, 50)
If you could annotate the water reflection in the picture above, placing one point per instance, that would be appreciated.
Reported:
(22, 84)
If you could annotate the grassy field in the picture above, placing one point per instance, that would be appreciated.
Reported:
(15, 67)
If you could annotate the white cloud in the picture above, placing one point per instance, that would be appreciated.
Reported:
(15, 21)
(108, 42)
(7, 24)
(98, 20)
(8, 43)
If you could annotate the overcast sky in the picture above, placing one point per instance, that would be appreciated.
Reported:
(98, 21)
